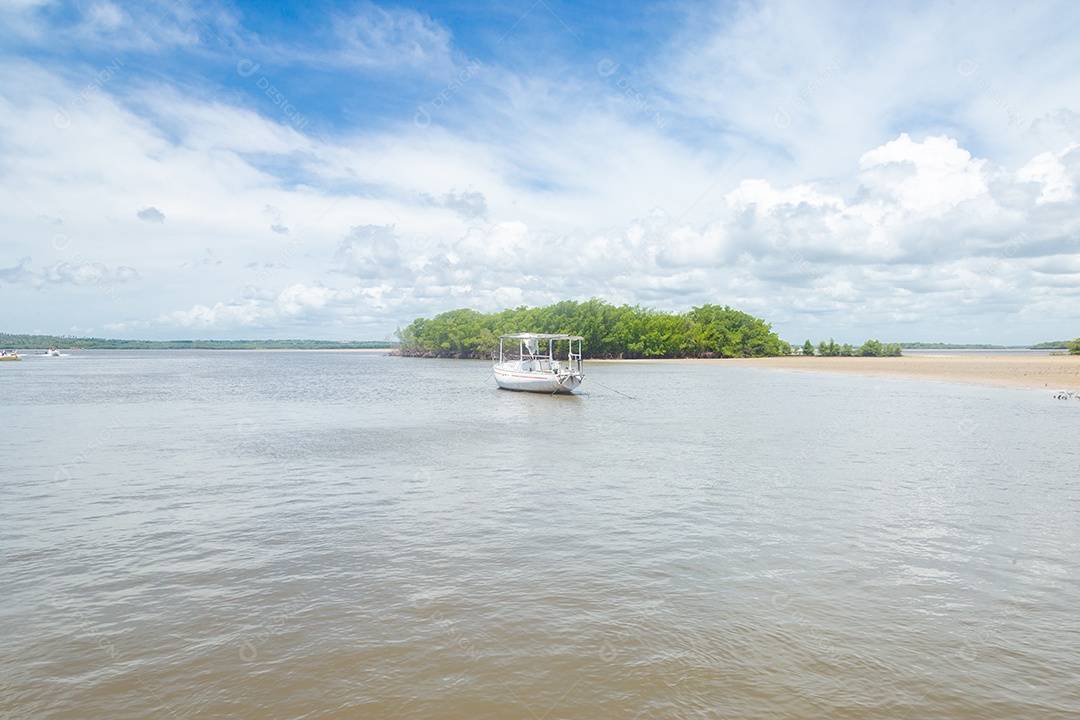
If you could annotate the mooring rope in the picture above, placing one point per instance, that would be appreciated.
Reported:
(595, 382)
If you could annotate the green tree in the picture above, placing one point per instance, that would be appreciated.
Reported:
(721, 331)
(846, 350)
(609, 331)
(808, 347)
(1074, 347)
(871, 348)
(829, 349)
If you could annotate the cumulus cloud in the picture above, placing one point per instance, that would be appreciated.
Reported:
(930, 176)
(278, 226)
(66, 273)
(369, 251)
(469, 205)
(297, 303)
(18, 274)
(931, 234)
(151, 214)
(88, 274)
(1051, 171)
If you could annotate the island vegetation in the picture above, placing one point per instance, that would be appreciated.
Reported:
(1073, 346)
(961, 346)
(610, 331)
(33, 342)
(1051, 345)
(870, 348)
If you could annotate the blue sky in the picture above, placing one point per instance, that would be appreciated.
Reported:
(191, 169)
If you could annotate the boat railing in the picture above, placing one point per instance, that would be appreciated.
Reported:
(544, 364)
(529, 354)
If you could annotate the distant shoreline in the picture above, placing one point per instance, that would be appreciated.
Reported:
(384, 351)
(1047, 372)
(212, 348)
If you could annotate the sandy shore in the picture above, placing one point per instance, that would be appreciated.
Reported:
(1049, 372)
(381, 351)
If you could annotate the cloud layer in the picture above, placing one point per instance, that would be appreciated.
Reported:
(205, 173)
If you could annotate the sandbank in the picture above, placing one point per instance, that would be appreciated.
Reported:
(383, 351)
(1048, 372)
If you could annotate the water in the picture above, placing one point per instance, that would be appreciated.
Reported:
(319, 535)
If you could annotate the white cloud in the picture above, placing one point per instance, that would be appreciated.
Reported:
(298, 299)
(1050, 172)
(105, 17)
(296, 305)
(88, 274)
(932, 176)
(378, 36)
(151, 214)
(66, 273)
(759, 193)
(364, 37)
(469, 205)
(369, 251)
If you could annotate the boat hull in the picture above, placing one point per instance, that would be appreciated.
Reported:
(538, 382)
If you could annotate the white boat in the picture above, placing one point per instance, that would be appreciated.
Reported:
(53, 353)
(540, 363)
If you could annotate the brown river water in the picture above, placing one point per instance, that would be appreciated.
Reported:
(318, 535)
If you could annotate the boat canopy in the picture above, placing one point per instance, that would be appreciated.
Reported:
(540, 336)
(540, 362)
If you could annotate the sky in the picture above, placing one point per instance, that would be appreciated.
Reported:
(333, 170)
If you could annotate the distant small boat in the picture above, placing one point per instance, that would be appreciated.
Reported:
(53, 352)
(10, 355)
(539, 364)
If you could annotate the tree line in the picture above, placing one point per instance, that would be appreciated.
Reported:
(31, 342)
(870, 348)
(610, 331)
